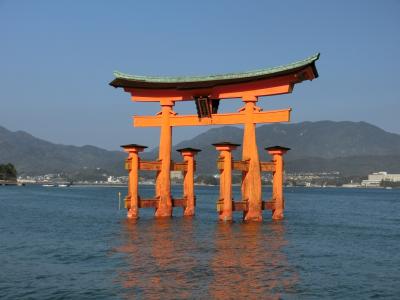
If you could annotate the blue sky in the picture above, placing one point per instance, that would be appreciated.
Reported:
(57, 58)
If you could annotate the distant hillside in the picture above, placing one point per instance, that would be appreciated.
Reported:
(352, 148)
(351, 165)
(34, 156)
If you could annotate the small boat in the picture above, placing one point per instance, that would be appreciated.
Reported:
(63, 185)
(48, 185)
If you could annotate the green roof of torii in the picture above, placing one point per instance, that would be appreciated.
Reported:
(137, 81)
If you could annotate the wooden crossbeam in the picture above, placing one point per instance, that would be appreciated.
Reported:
(153, 202)
(244, 205)
(127, 164)
(259, 88)
(242, 165)
(145, 165)
(145, 203)
(240, 205)
(178, 166)
(267, 166)
(267, 205)
(179, 202)
(272, 116)
(220, 164)
(150, 165)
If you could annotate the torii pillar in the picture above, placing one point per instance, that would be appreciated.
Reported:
(163, 181)
(188, 181)
(251, 180)
(133, 181)
(277, 153)
(225, 189)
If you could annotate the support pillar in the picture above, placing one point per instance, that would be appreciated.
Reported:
(188, 180)
(163, 183)
(277, 153)
(225, 211)
(132, 198)
(251, 179)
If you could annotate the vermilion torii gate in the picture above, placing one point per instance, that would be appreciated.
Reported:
(206, 92)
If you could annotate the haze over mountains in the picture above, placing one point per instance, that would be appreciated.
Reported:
(352, 148)
(34, 156)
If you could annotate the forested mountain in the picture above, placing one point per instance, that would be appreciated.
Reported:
(352, 148)
(349, 147)
(34, 156)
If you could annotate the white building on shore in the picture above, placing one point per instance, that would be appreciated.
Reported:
(374, 179)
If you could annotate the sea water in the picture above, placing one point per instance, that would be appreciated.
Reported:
(74, 243)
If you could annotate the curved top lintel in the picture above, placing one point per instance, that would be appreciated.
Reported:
(200, 82)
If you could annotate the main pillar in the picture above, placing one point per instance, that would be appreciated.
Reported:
(251, 179)
(163, 183)
(225, 212)
(188, 180)
(277, 153)
(132, 199)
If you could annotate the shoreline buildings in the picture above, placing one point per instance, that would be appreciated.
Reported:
(375, 179)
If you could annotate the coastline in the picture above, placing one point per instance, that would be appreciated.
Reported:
(120, 185)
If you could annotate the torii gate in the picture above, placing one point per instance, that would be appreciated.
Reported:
(207, 91)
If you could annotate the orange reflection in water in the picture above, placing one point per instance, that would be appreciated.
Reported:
(165, 260)
(249, 262)
(160, 264)
(171, 251)
(128, 276)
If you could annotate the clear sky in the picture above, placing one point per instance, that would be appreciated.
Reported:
(57, 58)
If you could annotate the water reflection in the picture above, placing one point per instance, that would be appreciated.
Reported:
(175, 258)
(249, 261)
(159, 259)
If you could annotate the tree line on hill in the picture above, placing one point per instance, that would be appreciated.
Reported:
(8, 172)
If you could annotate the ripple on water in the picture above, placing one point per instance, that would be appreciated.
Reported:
(75, 244)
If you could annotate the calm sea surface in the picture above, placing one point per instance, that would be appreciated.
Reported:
(74, 243)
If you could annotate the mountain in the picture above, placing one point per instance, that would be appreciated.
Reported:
(33, 156)
(352, 148)
(347, 166)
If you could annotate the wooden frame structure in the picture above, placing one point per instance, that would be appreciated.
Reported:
(134, 164)
(206, 92)
(225, 164)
